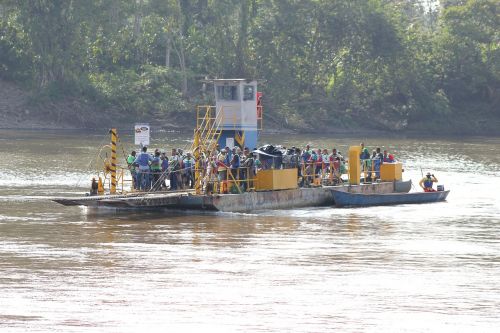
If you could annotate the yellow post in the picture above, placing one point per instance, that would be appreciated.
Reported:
(354, 165)
(100, 188)
(113, 161)
(197, 161)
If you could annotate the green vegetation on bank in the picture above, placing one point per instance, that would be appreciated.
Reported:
(381, 64)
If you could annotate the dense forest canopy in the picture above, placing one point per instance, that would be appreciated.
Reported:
(389, 64)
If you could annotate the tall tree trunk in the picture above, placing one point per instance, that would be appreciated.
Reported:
(242, 42)
(182, 63)
(137, 30)
(168, 49)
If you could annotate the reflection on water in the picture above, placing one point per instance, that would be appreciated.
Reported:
(413, 268)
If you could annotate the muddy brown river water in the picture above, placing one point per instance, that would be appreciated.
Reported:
(409, 268)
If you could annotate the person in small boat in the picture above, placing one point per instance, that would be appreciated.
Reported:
(143, 161)
(427, 182)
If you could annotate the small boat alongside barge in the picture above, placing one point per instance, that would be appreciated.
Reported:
(347, 199)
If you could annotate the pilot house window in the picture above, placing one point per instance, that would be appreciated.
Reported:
(248, 93)
(227, 93)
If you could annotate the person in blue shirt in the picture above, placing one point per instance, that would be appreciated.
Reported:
(427, 182)
(143, 160)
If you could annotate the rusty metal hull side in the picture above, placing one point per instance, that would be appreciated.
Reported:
(264, 200)
(245, 202)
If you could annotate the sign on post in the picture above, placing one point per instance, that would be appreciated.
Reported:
(142, 134)
(230, 143)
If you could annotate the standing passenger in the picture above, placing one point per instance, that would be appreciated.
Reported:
(221, 165)
(156, 171)
(143, 161)
(189, 170)
(235, 163)
(247, 171)
(164, 169)
(174, 169)
(319, 163)
(364, 156)
(377, 161)
(132, 168)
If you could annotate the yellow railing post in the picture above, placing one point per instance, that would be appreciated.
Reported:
(113, 161)
(197, 155)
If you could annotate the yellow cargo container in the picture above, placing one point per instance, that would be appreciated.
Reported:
(276, 179)
(391, 171)
(354, 165)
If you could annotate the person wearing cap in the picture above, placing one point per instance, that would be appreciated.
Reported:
(427, 182)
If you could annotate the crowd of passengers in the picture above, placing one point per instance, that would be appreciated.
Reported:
(240, 166)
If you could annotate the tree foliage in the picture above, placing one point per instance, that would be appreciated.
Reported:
(379, 63)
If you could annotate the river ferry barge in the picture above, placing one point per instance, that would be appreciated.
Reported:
(235, 121)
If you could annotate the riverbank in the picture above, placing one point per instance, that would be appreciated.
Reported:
(18, 110)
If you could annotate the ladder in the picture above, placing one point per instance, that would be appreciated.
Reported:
(206, 135)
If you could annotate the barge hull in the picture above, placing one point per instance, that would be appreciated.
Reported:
(245, 202)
